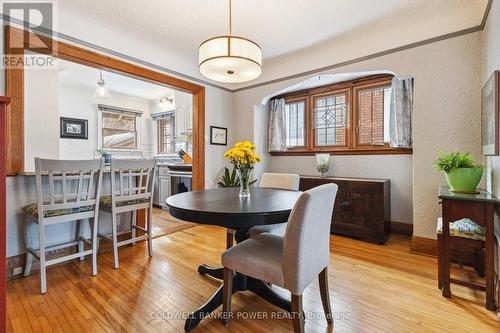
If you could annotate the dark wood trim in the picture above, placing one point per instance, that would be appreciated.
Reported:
(15, 88)
(387, 151)
(4, 101)
(422, 245)
(335, 90)
(351, 147)
(355, 113)
(402, 229)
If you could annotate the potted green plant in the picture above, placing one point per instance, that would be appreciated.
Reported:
(462, 173)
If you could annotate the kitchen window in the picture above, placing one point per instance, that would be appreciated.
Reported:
(118, 128)
(166, 134)
(345, 118)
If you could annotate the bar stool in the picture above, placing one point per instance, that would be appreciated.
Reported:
(73, 190)
(134, 192)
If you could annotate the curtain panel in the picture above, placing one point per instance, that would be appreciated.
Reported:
(401, 110)
(277, 129)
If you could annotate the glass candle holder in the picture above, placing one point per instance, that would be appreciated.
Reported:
(322, 163)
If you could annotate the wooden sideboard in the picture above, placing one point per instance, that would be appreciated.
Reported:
(362, 208)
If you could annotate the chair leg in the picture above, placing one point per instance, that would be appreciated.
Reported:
(227, 292)
(28, 240)
(133, 218)
(43, 268)
(79, 235)
(298, 314)
(150, 231)
(229, 238)
(325, 295)
(115, 240)
(95, 245)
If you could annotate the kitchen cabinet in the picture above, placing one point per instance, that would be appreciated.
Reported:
(161, 186)
(180, 120)
(183, 119)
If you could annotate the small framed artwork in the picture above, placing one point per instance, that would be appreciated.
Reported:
(218, 136)
(72, 128)
(490, 105)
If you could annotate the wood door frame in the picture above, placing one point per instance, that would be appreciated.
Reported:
(3, 220)
(14, 87)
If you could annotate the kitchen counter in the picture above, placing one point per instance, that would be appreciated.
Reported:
(69, 172)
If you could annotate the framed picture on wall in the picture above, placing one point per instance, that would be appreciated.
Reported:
(490, 105)
(73, 128)
(218, 136)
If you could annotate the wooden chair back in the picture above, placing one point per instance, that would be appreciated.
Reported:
(132, 180)
(70, 184)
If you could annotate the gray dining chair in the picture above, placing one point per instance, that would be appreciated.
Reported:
(290, 262)
(133, 192)
(67, 191)
(284, 181)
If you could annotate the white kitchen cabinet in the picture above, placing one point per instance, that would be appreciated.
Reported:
(180, 120)
(189, 118)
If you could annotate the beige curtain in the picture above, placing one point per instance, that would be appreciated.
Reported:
(400, 119)
(277, 130)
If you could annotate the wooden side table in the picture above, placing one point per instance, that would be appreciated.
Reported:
(480, 209)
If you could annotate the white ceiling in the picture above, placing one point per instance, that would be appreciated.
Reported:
(281, 27)
(76, 75)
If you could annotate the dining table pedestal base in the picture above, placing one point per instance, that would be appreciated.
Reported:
(240, 283)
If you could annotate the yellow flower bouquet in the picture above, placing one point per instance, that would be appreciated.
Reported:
(243, 157)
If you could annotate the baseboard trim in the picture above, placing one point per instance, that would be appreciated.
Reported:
(424, 246)
(402, 229)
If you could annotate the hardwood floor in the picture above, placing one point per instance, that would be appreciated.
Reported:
(165, 224)
(372, 289)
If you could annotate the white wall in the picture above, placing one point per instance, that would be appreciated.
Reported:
(447, 117)
(41, 115)
(490, 42)
(77, 102)
(216, 106)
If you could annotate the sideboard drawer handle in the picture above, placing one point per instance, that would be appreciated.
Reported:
(345, 204)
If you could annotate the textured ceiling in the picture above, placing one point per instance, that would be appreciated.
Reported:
(281, 27)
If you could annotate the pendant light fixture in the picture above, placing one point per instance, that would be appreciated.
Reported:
(101, 91)
(230, 59)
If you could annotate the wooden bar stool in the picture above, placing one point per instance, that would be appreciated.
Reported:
(134, 192)
(69, 193)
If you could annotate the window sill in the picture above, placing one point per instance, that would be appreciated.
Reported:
(380, 151)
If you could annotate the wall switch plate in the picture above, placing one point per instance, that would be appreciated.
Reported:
(17, 271)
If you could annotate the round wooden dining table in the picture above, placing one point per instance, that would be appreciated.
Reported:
(223, 207)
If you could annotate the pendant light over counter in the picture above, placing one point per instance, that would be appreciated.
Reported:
(230, 59)
(101, 91)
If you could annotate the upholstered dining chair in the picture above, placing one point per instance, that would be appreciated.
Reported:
(290, 262)
(69, 192)
(134, 191)
(285, 181)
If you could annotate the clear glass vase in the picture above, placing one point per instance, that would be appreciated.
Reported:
(322, 163)
(245, 176)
